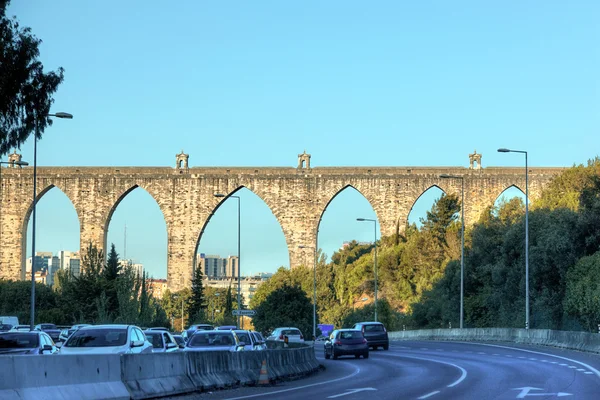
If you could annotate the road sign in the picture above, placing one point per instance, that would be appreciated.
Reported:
(243, 312)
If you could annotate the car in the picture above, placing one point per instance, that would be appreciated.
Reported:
(214, 341)
(375, 333)
(5, 327)
(261, 343)
(287, 335)
(26, 343)
(162, 341)
(250, 339)
(157, 329)
(50, 329)
(21, 328)
(65, 333)
(346, 342)
(193, 328)
(9, 320)
(107, 339)
(226, 328)
(180, 341)
(322, 338)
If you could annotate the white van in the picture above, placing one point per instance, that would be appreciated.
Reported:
(9, 321)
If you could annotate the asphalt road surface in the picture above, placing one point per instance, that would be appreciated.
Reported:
(440, 370)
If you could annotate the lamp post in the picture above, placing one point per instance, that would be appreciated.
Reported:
(374, 256)
(63, 115)
(462, 244)
(503, 150)
(314, 290)
(239, 271)
(20, 164)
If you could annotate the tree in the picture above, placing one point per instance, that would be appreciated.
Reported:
(582, 297)
(25, 90)
(110, 274)
(286, 306)
(197, 305)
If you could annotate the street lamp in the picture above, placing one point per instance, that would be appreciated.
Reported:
(20, 164)
(314, 290)
(239, 290)
(462, 240)
(63, 115)
(503, 150)
(374, 256)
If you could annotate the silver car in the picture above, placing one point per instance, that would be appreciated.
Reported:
(252, 340)
(214, 341)
(107, 339)
(162, 341)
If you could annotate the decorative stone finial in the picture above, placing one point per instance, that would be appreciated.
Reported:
(182, 162)
(304, 161)
(475, 160)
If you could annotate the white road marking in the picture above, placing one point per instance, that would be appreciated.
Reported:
(481, 352)
(580, 369)
(525, 392)
(424, 348)
(572, 366)
(428, 395)
(356, 372)
(440, 349)
(508, 355)
(533, 359)
(594, 370)
(495, 354)
(563, 365)
(463, 374)
(588, 373)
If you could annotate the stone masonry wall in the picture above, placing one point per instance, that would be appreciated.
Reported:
(297, 197)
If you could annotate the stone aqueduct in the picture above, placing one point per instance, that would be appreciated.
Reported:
(297, 197)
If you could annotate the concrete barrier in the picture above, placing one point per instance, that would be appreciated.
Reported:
(149, 375)
(142, 376)
(55, 377)
(582, 341)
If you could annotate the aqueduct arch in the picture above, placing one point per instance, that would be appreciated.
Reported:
(296, 196)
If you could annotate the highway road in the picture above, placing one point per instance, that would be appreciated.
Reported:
(440, 370)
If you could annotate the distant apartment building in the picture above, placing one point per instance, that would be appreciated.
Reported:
(138, 269)
(249, 285)
(70, 261)
(42, 260)
(216, 267)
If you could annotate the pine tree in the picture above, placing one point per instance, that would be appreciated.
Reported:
(110, 274)
(197, 305)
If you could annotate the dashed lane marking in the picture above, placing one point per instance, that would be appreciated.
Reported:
(428, 395)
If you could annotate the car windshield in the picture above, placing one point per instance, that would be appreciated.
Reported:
(18, 341)
(155, 338)
(291, 332)
(351, 335)
(179, 339)
(5, 327)
(243, 336)
(47, 326)
(207, 339)
(374, 328)
(98, 338)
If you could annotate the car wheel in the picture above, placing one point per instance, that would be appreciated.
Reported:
(366, 355)
(387, 346)
(326, 355)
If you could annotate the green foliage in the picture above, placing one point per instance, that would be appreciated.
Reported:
(385, 314)
(25, 90)
(582, 299)
(197, 305)
(285, 306)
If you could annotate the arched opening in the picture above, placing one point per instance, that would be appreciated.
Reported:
(423, 204)
(137, 228)
(512, 197)
(262, 243)
(338, 225)
(56, 237)
(180, 164)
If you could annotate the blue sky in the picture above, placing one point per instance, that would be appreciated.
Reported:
(256, 83)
